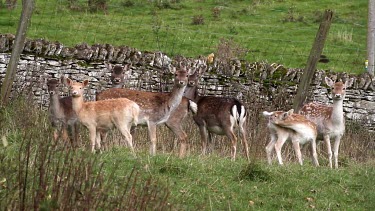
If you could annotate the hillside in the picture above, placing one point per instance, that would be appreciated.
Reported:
(279, 31)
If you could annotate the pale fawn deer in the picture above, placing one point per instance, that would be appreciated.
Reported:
(285, 126)
(329, 118)
(101, 116)
(61, 114)
(157, 108)
(218, 115)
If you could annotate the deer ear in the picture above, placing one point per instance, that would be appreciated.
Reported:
(349, 82)
(173, 70)
(191, 71)
(291, 111)
(329, 82)
(125, 68)
(108, 66)
(63, 79)
(285, 115)
(85, 82)
(69, 82)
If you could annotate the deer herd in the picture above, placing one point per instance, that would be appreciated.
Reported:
(124, 109)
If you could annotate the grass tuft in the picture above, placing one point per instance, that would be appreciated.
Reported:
(254, 171)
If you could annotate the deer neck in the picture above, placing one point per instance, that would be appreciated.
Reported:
(120, 85)
(55, 104)
(77, 104)
(192, 93)
(175, 97)
(337, 115)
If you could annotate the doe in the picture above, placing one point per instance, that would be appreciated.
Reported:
(329, 118)
(285, 126)
(61, 114)
(158, 108)
(100, 116)
(218, 115)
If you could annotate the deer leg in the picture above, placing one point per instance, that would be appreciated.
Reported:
(176, 128)
(152, 135)
(64, 133)
(56, 134)
(244, 140)
(233, 139)
(204, 136)
(270, 147)
(278, 145)
(329, 150)
(128, 137)
(98, 140)
(336, 150)
(76, 133)
(297, 150)
(314, 155)
(92, 133)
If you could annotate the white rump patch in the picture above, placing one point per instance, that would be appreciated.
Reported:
(235, 113)
(193, 106)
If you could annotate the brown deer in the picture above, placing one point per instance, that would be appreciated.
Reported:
(118, 74)
(329, 118)
(157, 108)
(218, 115)
(61, 114)
(285, 126)
(100, 116)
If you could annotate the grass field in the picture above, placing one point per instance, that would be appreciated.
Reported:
(280, 31)
(39, 173)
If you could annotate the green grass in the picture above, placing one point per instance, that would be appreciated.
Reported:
(39, 173)
(275, 31)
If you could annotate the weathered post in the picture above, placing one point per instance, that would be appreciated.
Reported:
(19, 42)
(314, 56)
(371, 37)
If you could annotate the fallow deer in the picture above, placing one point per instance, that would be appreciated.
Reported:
(157, 108)
(329, 119)
(100, 116)
(61, 114)
(118, 74)
(218, 115)
(285, 126)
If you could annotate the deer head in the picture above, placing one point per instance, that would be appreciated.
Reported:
(77, 88)
(338, 88)
(52, 85)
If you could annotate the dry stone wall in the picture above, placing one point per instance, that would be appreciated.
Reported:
(270, 86)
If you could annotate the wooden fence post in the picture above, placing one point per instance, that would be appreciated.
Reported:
(314, 56)
(371, 37)
(19, 42)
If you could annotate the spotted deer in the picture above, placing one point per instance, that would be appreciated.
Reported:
(285, 126)
(158, 108)
(101, 116)
(218, 115)
(329, 118)
(61, 114)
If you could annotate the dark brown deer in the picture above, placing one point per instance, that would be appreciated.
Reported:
(329, 119)
(61, 114)
(101, 116)
(218, 115)
(285, 126)
(157, 108)
(118, 74)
